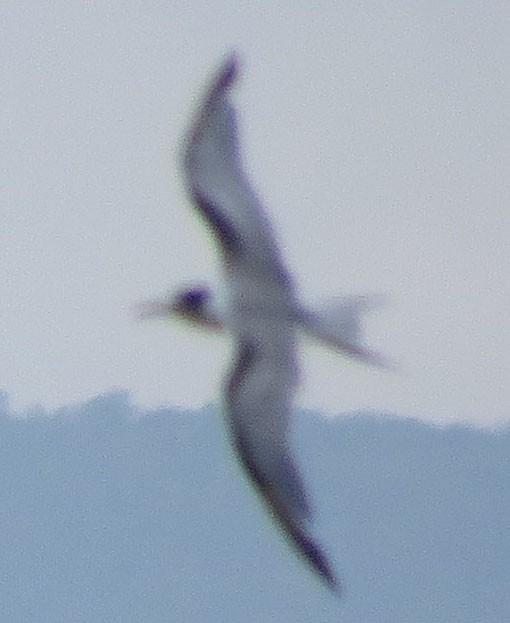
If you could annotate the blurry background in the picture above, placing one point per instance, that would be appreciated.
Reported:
(376, 133)
(114, 518)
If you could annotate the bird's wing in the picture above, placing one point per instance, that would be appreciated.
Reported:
(258, 400)
(217, 184)
(260, 387)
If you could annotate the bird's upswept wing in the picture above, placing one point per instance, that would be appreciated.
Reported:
(262, 380)
(217, 184)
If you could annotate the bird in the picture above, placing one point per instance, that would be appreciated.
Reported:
(261, 312)
(336, 323)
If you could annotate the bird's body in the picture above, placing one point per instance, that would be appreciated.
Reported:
(336, 323)
(261, 313)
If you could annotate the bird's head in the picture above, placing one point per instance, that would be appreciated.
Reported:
(192, 304)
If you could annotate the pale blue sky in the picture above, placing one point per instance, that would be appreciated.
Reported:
(376, 133)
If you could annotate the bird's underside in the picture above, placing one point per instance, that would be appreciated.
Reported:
(336, 323)
(262, 314)
(261, 304)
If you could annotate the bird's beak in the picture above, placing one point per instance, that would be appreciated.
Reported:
(154, 308)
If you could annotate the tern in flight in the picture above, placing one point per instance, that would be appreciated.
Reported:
(261, 313)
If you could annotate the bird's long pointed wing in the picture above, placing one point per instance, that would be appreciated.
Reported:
(257, 404)
(216, 181)
(258, 396)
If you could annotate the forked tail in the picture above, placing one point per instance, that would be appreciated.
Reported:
(338, 324)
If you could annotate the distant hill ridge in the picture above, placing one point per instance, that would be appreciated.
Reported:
(111, 514)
